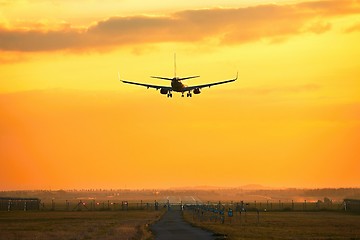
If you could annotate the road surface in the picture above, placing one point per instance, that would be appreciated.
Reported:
(173, 226)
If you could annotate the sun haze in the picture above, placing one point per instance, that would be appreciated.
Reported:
(292, 119)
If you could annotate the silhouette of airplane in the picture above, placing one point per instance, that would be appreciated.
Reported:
(177, 85)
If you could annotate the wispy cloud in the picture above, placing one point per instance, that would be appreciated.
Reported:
(227, 26)
(11, 58)
(354, 28)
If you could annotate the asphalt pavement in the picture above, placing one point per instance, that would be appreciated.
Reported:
(172, 226)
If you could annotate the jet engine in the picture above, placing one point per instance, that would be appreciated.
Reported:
(163, 91)
(197, 91)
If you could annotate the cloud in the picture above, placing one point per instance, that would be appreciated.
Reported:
(354, 28)
(39, 41)
(226, 26)
(319, 27)
(11, 58)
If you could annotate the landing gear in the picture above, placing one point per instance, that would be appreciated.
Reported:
(189, 94)
(169, 95)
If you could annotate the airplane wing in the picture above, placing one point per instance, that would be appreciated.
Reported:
(189, 88)
(146, 85)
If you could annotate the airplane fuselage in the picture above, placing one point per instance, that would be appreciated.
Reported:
(177, 85)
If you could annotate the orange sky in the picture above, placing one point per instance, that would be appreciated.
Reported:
(291, 120)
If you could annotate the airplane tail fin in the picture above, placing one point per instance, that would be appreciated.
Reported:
(174, 65)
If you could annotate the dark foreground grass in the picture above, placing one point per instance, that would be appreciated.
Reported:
(105, 225)
(283, 225)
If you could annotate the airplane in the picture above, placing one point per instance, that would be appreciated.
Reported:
(177, 85)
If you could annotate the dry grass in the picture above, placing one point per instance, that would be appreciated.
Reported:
(283, 225)
(105, 225)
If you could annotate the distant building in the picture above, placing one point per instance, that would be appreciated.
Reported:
(352, 205)
(16, 204)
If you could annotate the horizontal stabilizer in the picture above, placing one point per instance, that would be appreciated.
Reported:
(163, 78)
(185, 78)
(177, 78)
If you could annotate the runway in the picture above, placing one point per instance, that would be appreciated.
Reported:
(175, 199)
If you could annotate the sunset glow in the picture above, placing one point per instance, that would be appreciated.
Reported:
(291, 120)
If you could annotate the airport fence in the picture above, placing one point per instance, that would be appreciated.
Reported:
(278, 205)
(99, 205)
(120, 205)
(252, 212)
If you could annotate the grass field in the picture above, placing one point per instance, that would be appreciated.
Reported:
(282, 225)
(77, 225)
